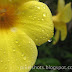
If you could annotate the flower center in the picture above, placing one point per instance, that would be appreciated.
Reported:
(7, 17)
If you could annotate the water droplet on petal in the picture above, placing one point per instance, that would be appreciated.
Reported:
(24, 57)
(38, 7)
(29, 42)
(36, 39)
(6, 68)
(43, 7)
(42, 19)
(14, 50)
(8, 60)
(16, 41)
(42, 30)
(4, 52)
(19, 45)
(13, 29)
(1, 61)
(1, 49)
(50, 40)
(44, 15)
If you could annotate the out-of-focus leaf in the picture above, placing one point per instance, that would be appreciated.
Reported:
(68, 55)
(48, 61)
(54, 71)
(41, 70)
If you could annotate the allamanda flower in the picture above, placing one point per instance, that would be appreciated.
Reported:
(23, 25)
(63, 16)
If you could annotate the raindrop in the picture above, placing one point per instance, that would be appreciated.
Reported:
(43, 7)
(14, 50)
(38, 7)
(38, 19)
(16, 41)
(50, 40)
(42, 30)
(4, 52)
(24, 57)
(1, 49)
(13, 29)
(34, 17)
(1, 61)
(12, 62)
(8, 60)
(36, 39)
(44, 15)
(19, 45)
(6, 68)
(42, 19)
(29, 42)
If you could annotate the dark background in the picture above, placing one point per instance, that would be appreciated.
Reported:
(55, 55)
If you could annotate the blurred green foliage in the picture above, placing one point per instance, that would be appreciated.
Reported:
(55, 55)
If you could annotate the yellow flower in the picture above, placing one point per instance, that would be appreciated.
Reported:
(63, 16)
(23, 25)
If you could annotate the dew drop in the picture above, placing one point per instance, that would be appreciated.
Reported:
(43, 7)
(38, 7)
(42, 19)
(44, 15)
(1, 61)
(14, 50)
(24, 57)
(8, 60)
(29, 42)
(12, 62)
(13, 29)
(4, 52)
(42, 30)
(36, 39)
(38, 19)
(49, 40)
(1, 49)
(6, 68)
(34, 17)
(16, 41)
(19, 45)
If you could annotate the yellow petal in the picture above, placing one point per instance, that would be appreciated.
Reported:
(64, 33)
(61, 4)
(65, 15)
(18, 2)
(61, 26)
(4, 2)
(36, 21)
(15, 3)
(17, 51)
(56, 37)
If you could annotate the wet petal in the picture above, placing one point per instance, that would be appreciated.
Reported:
(61, 4)
(17, 51)
(56, 37)
(36, 21)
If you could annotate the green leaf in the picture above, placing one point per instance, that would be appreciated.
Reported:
(48, 61)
